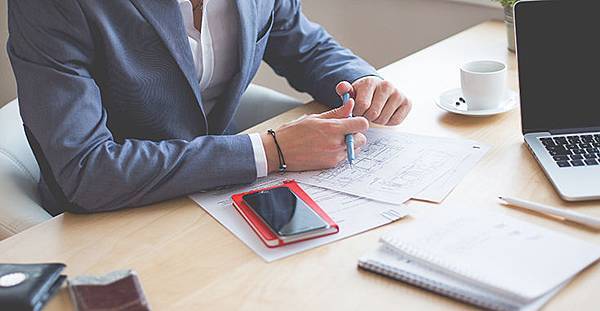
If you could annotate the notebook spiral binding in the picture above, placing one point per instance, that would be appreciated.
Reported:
(436, 287)
(418, 255)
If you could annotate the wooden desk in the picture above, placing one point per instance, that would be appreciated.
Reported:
(187, 261)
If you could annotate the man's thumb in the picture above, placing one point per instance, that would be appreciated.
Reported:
(343, 88)
(341, 112)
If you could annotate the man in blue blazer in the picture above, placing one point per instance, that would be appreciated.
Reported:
(130, 102)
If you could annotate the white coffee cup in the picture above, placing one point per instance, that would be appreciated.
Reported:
(483, 84)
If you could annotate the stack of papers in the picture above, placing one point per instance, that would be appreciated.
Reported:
(394, 167)
(391, 169)
(353, 215)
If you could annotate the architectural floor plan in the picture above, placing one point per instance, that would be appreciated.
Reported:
(392, 167)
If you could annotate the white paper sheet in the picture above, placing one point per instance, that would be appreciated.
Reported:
(393, 167)
(353, 215)
(441, 188)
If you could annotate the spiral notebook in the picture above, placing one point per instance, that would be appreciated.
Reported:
(386, 262)
(490, 260)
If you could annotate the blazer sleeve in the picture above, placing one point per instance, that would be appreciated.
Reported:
(310, 59)
(52, 52)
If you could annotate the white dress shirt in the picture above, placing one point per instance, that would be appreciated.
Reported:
(215, 51)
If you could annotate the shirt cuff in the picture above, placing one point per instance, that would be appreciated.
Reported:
(260, 157)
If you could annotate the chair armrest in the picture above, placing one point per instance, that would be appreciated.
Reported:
(19, 207)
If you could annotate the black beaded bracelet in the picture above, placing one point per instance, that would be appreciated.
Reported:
(282, 165)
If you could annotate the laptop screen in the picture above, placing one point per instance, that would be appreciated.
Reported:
(558, 47)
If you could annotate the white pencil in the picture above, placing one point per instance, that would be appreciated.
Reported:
(579, 218)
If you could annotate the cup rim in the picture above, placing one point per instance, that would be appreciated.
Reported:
(504, 67)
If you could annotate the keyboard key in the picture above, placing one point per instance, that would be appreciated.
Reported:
(576, 157)
(571, 146)
(559, 152)
(560, 140)
(577, 163)
(561, 158)
(555, 147)
(588, 140)
(578, 151)
(563, 164)
(591, 162)
(585, 146)
(591, 150)
(590, 156)
(547, 140)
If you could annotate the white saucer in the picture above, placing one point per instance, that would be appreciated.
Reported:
(449, 99)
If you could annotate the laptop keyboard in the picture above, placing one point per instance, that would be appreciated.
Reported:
(574, 150)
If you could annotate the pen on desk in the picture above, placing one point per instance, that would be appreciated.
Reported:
(349, 137)
(575, 217)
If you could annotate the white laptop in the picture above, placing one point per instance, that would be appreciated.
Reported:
(558, 49)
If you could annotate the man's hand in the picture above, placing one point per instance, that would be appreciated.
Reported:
(316, 141)
(377, 100)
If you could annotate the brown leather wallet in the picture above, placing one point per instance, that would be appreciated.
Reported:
(116, 291)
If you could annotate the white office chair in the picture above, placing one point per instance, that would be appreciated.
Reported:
(19, 173)
(259, 104)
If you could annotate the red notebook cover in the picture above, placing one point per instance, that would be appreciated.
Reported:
(264, 232)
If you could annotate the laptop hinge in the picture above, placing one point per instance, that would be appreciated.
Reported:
(574, 130)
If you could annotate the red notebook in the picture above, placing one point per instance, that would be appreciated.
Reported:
(270, 238)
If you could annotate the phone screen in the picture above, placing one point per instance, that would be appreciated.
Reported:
(284, 212)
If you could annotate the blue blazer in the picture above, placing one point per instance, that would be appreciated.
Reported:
(111, 108)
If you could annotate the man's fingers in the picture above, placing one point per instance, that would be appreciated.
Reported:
(364, 95)
(392, 104)
(381, 98)
(353, 125)
(359, 140)
(401, 113)
(343, 88)
(341, 112)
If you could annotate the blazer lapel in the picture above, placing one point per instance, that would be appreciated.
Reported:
(221, 115)
(165, 17)
(247, 18)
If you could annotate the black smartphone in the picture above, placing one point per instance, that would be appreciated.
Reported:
(284, 212)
